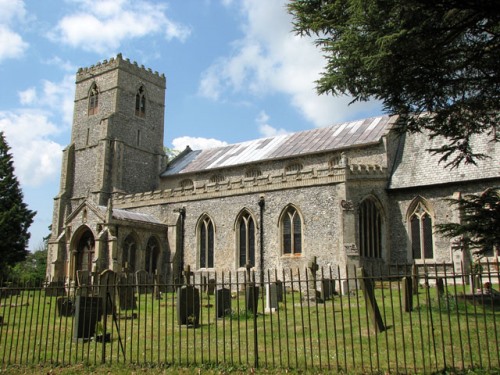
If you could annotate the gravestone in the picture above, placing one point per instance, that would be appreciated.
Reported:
(271, 297)
(55, 289)
(440, 287)
(368, 288)
(312, 293)
(107, 290)
(64, 306)
(408, 294)
(252, 298)
(144, 282)
(126, 292)
(188, 302)
(83, 278)
(222, 302)
(88, 311)
(327, 289)
(211, 287)
(279, 290)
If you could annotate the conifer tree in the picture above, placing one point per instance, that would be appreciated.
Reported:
(15, 217)
(434, 63)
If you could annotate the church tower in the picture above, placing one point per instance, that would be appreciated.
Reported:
(116, 140)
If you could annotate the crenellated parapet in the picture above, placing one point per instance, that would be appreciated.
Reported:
(120, 62)
(257, 184)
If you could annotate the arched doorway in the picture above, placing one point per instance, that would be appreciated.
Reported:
(85, 250)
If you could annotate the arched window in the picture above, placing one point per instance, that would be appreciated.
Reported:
(85, 252)
(291, 231)
(206, 242)
(93, 100)
(152, 255)
(246, 239)
(128, 256)
(421, 231)
(370, 229)
(140, 102)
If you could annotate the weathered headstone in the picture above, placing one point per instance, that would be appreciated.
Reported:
(55, 288)
(279, 290)
(126, 292)
(312, 293)
(440, 287)
(188, 302)
(252, 298)
(144, 282)
(222, 302)
(271, 297)
(367, 286)
(107, 290)
(88, 311)
(83, 278)
(64, 306)
(327, 289)
(407, 294)
(211, 287)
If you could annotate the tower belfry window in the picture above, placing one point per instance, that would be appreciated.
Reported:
(93, 100)
(140, 102)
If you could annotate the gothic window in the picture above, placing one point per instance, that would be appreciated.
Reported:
(294, 167)
(140, 102)
(291, 231)
(128, 255)
(246, 239)
(206, 242)
(152, 255)
(421, 232)
(370, 229)
(93, 100)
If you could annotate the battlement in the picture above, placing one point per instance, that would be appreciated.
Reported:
(270, 182)
(120, 62)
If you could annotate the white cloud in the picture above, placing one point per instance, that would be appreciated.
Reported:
(102, 26)
(196, 143)
(58, 97)
(265, 129)
(36, 158)
(268, 60)
(12, 44)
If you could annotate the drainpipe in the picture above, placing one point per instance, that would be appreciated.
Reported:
(182, 216)
(262, 204)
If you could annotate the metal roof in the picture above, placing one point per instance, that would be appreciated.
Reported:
(128, 215)
(340, 136)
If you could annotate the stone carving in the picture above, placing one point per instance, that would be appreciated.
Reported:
(347, 205)
(351, 249)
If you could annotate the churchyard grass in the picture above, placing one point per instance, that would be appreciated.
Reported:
(338, 334)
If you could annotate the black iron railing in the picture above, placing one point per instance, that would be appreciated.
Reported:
(334, 319)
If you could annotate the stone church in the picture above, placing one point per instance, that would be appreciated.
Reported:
(355, 193)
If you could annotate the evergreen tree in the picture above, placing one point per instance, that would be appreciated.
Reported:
(15, 217)
(433, 62)
(479, 229)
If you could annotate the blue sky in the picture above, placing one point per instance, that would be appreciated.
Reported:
(234, 69)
